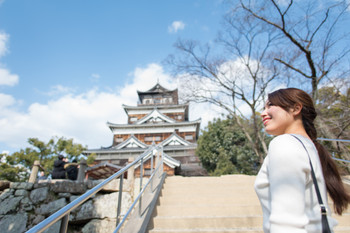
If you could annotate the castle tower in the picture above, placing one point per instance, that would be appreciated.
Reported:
(158, 118)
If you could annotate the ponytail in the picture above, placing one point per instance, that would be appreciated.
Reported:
(334, 184)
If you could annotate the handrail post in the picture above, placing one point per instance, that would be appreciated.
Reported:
(141, 175)
(120, 197)
(34, 173)
(152, 172)
(81, 171)
(64, 224)
(162, 152)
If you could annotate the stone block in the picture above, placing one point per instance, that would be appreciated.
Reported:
(92, 183)
(65, 195)
(50, 208)
(6, 193)
(96, 208)
(67, 186)
(37, 219)
(9, 205)
(42, 183)
(73, 197)
(26, 200)
(100, 226)
(54, 228)
(21, 192)
(113, 186)
(21, 185)
(14, 223)
(39, 195)
(84, 212)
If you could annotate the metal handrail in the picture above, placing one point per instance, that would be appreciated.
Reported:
(65, 211)
(336, 140)
(136, 200)
(330, 139)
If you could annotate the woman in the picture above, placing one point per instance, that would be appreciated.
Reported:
(284, 184)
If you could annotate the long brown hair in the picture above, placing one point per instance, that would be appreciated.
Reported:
(287, 99)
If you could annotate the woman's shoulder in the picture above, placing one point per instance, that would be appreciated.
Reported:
(283, 140)
(287, 148)
(286, 143)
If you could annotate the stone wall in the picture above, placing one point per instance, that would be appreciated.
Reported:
(23, 205)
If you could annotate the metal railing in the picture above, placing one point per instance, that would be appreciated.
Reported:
(64, 212)
(336, 140)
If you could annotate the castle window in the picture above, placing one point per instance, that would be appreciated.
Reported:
(155, 138)
(179, 117)
(147, 172)
(133, 119)
(189, 137)
(119, 140)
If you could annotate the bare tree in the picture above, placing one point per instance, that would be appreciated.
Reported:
(236, 80)
(265, 44)
(313, 36)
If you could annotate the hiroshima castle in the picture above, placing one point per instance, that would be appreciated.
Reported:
(158, 119)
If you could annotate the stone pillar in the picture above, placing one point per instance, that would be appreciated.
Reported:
(34, 173)
(81, 170)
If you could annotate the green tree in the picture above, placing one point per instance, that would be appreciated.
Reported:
(17, 166)
(334, 122)
(224, 149)
(9, 171)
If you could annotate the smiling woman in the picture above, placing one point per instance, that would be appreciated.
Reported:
(284, 184)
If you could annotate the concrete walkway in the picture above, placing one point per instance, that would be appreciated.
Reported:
(213, 204)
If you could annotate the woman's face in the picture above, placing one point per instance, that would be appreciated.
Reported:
(276, 120)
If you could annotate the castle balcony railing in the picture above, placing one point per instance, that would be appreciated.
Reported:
(142, 207)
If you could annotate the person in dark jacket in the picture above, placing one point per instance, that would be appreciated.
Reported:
(72, 170)
(58, 168)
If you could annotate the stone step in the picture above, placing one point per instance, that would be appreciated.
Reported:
(193, 222)
(208, 210)
(209, 230)
(195, 189)
(190, 200)
(231, 230)
(341, 229)
(239, 180)
(343, 220)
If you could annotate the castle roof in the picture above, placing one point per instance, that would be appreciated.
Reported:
(132, 144)
(156, 89)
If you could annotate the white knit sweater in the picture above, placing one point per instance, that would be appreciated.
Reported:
(285, 188)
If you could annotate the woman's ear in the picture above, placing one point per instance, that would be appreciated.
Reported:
(297, 109)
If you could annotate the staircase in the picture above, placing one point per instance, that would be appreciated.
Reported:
(213, 204)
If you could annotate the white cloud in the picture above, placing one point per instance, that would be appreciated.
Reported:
(6, 101)
(83, 116)
(6, 78)
(59, 90)
(95, 76)
(176, 26)
(3, 42)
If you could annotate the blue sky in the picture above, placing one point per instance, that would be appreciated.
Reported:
(66, 67)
